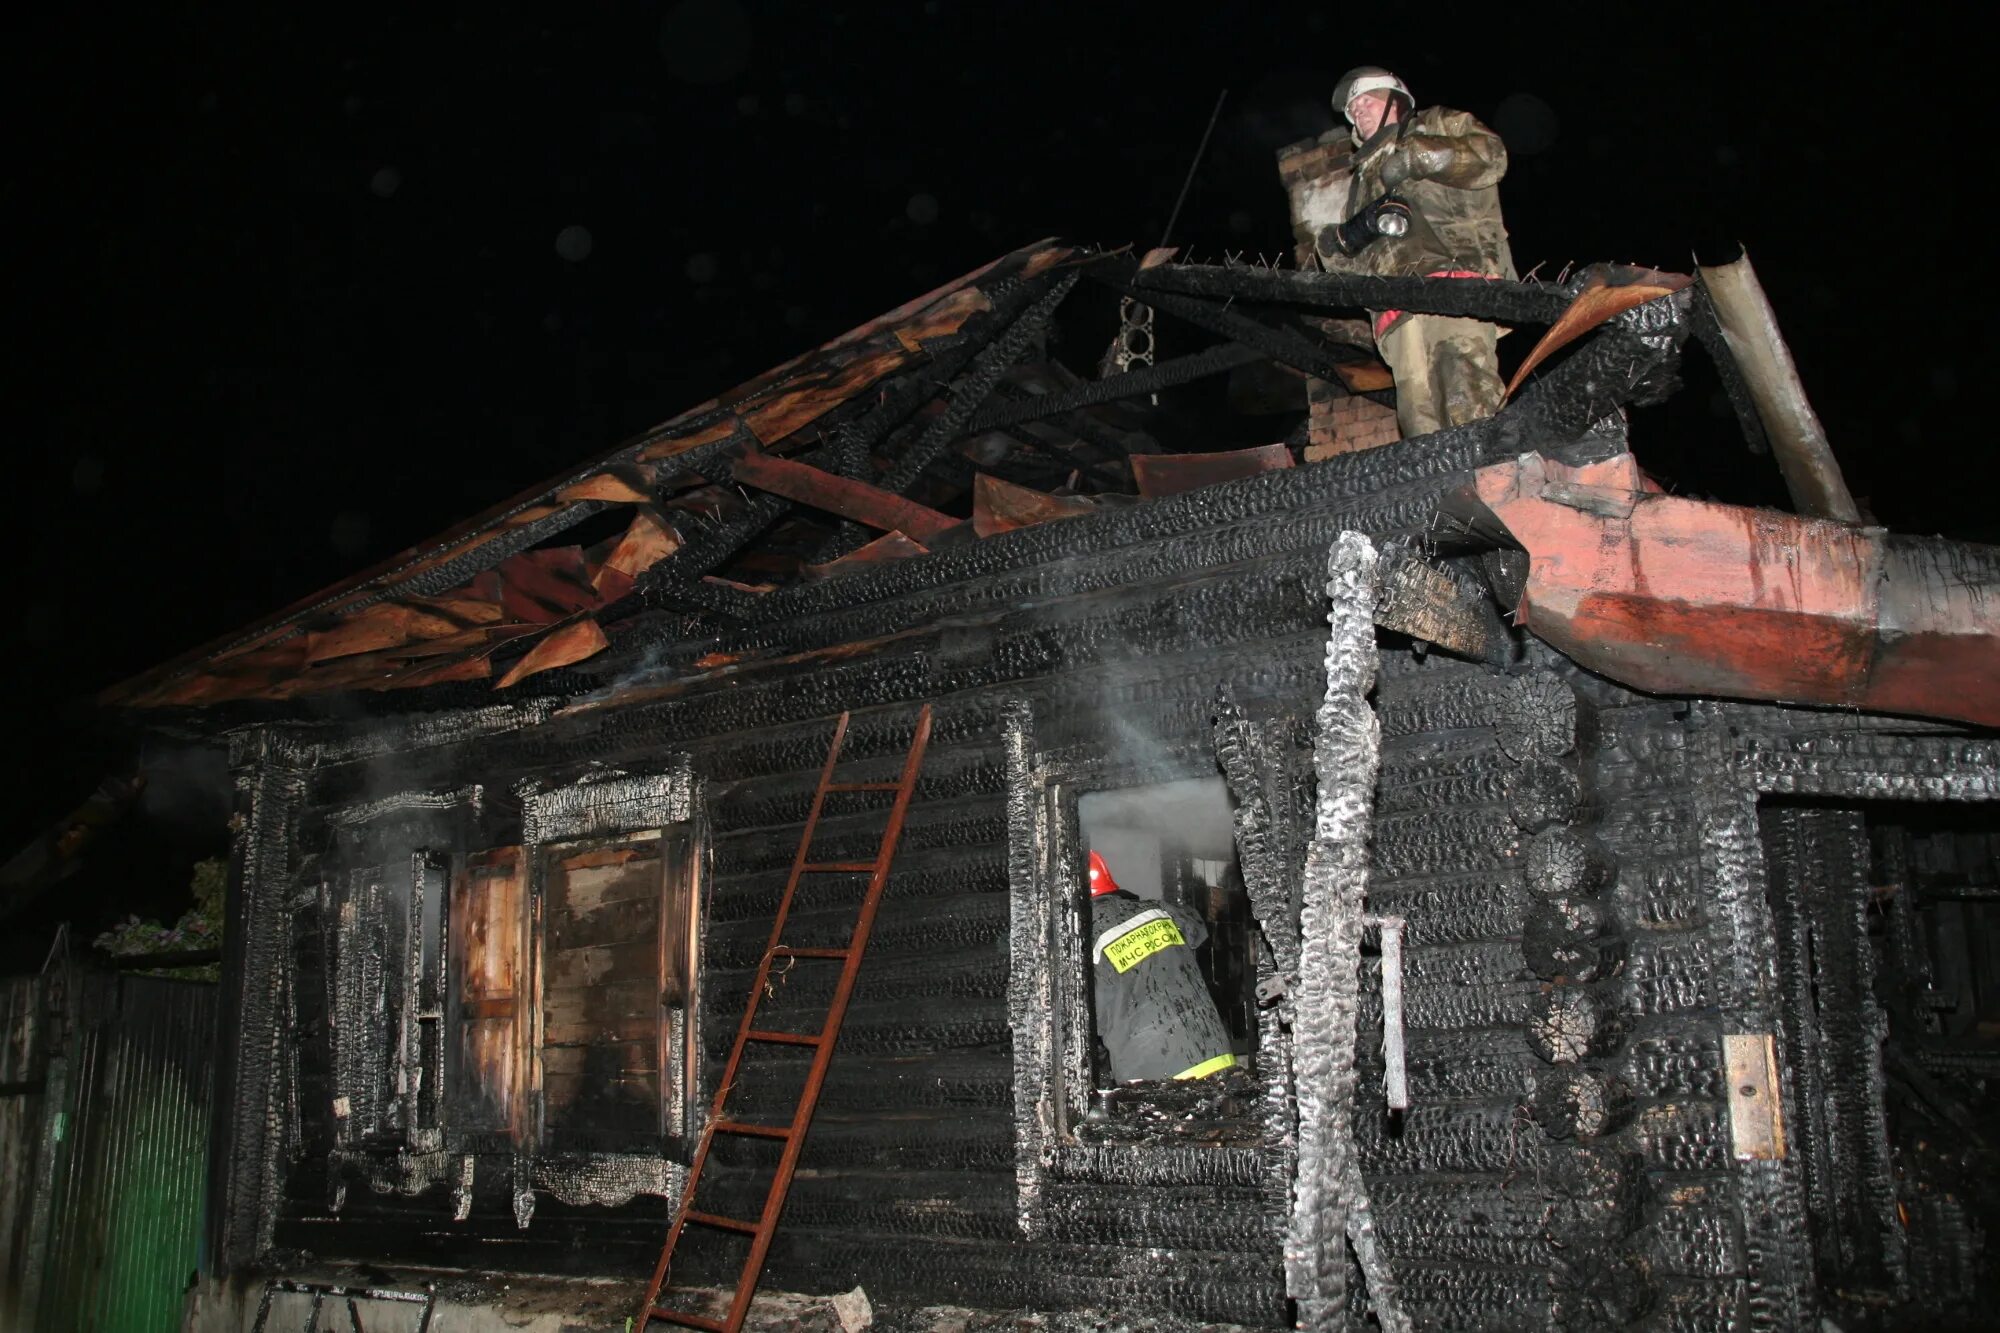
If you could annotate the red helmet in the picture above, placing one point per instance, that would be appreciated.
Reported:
(1101, 882)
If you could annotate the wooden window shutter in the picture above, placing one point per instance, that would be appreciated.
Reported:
(488, 929)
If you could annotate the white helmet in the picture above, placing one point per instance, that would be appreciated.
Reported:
(1367, 79)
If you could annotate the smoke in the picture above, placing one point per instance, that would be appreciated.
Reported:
(187, 792)
(1194, 813)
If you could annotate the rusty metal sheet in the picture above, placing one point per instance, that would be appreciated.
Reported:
(1001, 506)
(1161, 475)
(461, 668)
(857, 500)
(890, 546)
(649, 540)
(1608, 293)
(383, 625)
(1756, 1114)
(617, 485)
(572, 643)
(1683, 596)
(542, 587)
(801, 391)
(464, 610)
(816, 393)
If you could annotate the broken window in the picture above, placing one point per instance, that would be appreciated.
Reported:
(383, 919)
(617, 983)
(1888, 969)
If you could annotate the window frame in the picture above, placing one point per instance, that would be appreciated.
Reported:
(416, 837)
(601, 808)
(676, 1030)
(1048, 993)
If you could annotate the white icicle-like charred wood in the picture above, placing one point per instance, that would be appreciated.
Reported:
(1330, 1201)
(1031, 984)
(1259, 787)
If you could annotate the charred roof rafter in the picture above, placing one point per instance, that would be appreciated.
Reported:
(968, 393)
(1216, 360)
(1493, 299)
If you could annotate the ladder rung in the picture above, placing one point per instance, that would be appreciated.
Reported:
(788, 1038)
(744, 1127)
(864, 786)
(838, 867)
(725, 1223)
(686, 1320)
(787, 951)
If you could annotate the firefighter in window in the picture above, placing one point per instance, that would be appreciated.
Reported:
(1154, 1013)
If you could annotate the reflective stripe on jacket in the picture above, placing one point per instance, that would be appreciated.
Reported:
(1154, 1012)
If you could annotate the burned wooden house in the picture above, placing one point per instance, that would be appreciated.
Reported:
(1602, 911)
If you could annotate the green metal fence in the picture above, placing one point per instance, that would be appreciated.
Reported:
(122, 1157)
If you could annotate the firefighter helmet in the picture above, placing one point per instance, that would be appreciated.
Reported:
(1368, 79)
(1101, 882)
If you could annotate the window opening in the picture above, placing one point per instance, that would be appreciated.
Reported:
(1888, 953)
(384, 985)
(1169, 962)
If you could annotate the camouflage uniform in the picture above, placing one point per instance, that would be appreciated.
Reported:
(1154, 1013)
(1448, 167)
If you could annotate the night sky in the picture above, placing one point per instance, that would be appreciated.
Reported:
(296, 287)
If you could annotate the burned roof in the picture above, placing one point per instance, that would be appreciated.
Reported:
(962, 416)
(512, 592)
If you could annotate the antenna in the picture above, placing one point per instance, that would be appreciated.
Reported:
(1193, 166)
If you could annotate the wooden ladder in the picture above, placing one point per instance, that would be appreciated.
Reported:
(793, 1136)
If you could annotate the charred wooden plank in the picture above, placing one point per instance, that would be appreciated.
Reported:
(1286, 345)
(1150, 379)
(1472, 298)
(970, 390)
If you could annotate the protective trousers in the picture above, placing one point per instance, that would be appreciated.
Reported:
(1447, 371)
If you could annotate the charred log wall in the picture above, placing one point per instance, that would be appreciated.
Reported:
(908, 1181)
(1579, 868)
(1119, 636)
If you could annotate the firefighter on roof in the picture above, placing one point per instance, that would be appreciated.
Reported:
(1154, 1012)
(1422, 200)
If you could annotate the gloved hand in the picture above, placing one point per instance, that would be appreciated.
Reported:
(1398, 167)
(1417, 159)
(1387, 216)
